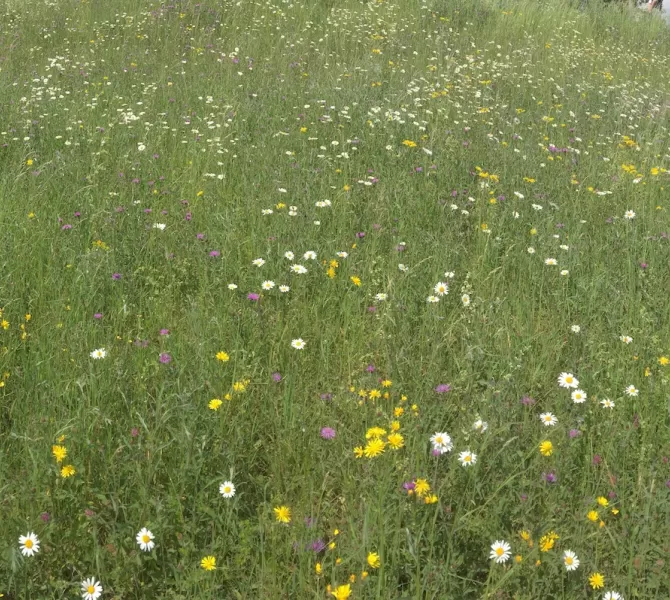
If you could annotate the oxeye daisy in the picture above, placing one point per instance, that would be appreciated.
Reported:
(284, 288)
(570, 560)
(631, 390)
(227, 489)
(268, 285)
(30, 544)
(289, 255)
(629, 214)
(258, 262)
(607, 403)
(145, 540)
(299, 269)
(567, 380)
(91, 589)
(480, 426)
(309, 255)
(500, 551)
(548, 419)
(550, 261)
(298, 344)
(467, 458)
(612, 596)
(578, 396)
(441, 442)
(432, 299)
(98, 354)
(626, 339)
(465, 299)
(441, 288)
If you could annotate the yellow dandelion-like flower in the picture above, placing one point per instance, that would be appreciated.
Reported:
(421, 487)
(546, 448)
(355, 280)
(395, 440)
(375, 432)
(374, 448)
(597, 581)
(373, 560)
(59, 452)
(67, 471)
(282, 514)
(215, 404)
(222, 356)
(208, 563)
(592, 515)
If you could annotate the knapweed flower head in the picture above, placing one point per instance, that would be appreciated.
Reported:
(327, 433)
(443, 388)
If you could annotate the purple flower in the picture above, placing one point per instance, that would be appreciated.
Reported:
(326, 396)
(97, 316)
(165, 358)
(214, 253)
(327, 433)
(573, 433)
(550, 477)
(435, 452)
(596, 460)
(318, 545)
(643, 265)
(200, 236)
(370, 369)
(66, 226)
(443, 388)
(116, 276)
(134, 432)
(409, 485)
(253, 297)
(527, 401)
(46, 517)
(276, 377)
(667, 484)
(360, 234)
(164, 332)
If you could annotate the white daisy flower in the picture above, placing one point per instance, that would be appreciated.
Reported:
(381, 297)
(160, 226)
(500, 551)
(441, 288)
(441, 442)
(403, 268)
(289, 255)
(284, 288)
(343, 254)
(567, 380)
(565, 273)
(449, 274)
(631, 390)
(626, 339)
(30, 544)
(91, 589)
(299, 269)
(548, 419)
(570, 560)
(578, 396)
(465, 299)
(531, 250)
(309, 255)
(298, 344)
(575, 328)
(258, 262)
(607, 403)
(550, 261)
(629, 214)
(467, 458)
(266, 211)
(227, 489)
(480, 426)
(268, 285)
(232, 286)
(432, 299)
(612, 596)
(145, 538)
(99, 353)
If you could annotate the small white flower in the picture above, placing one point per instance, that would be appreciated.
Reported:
(449, 274)
(570, 560)
(537, 206)
(550, 261)
(268, 285)
(145, 540)
(578, 396)
(465, 299)
(284, 288)
(232, 286)
(289, 255)
(500, 551)
(631, 390)
(258, 262)
(575, 328)
(519, 195)
(467, 458)
(441, 442)
(30, 544)
(381, 297)
(91, 589)
(299, 269)
(607, 403)
(548, 419)
(629, 214)
(141, 147)
(403, 268)
(227, 489)
(480, 426)
(99, 353)
(531, 250)
(160, 226)
(309, 255)
(298, 344)
(343, 254)
(568, 380)
(564, 247)
(612, 596)
(441, 288)
(267, 211)
(432, 299)
(626, 339)
(565, 273)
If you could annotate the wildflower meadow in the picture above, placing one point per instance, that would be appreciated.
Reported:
(334, 299)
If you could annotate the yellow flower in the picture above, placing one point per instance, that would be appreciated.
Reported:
(355, 280)
(421, 487)
(373, 560)
(303, 130)
(358, 451)
(374, 448)
(364, 574)
(352, 578)
(374, 394)
(240, 386)
(282, 514)
(409, 143)
(602, 501)
(547, 541)
(663, 361)
(342, 592)
(31, 215)
(533, 231)
(200, 193)
(592, 515)
(525, 535)
(395, 425)
(67, 471)
(222, 356)
(29, 162)
(518, 558)
(317, 568)
(396, 440)
(387, 383)
(59, 452)
(375, 432)
(597, 581)
(208, 563)
(346, 188)
(546, 448)
(332, 546)
(215, 404)
(398, 411)
(430, 499)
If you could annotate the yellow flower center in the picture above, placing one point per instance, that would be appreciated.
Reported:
(227, 489)
(568, 380)
(90, 589)
(468, 458)
(146, 539)
(568, 560)
(499, 551)
(28, 544)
